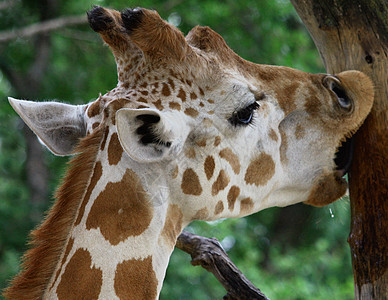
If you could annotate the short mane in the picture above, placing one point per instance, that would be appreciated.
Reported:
(48, 240)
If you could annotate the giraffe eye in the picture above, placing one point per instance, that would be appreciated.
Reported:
(244, 116)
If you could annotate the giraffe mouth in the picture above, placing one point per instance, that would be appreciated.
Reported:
(344, 156)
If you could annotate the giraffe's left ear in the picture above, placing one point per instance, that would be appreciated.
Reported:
(59, 126)
(149, 135)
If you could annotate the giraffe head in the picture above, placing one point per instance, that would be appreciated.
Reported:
(207, 134)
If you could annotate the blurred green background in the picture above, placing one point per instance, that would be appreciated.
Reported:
(298, 252)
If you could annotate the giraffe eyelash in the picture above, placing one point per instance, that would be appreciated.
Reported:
(244, 116)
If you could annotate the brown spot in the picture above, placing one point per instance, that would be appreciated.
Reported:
(312, 104)
(95, 125)
(191, 112)
(246, 205)
(231, 158)
(221, 182)
(182, 95)
(171, 83)
(201, 104)
(190, 183)
(299, 132)
(145, 93)
(94, 109)
(175, 172)
(158, 104)
(144, 85)
(217, 141)
(209, 167)
(219, 207)
(272, 135)
(128, 197)
(201, 214)
(166, 90)
(95, 178)
(232, 196)
(188, 82)
(201, 92)
(80, 280)
(173, 224)
(211, 112)
(210, 101)
(115, 151)
(141, 99)
(190, 152)
(260, 170)
(175, 105)
(286, 97)
(126, 85)
(141, 106)
(193, 96)
(283, 147)
(201, 143)
(136, 279)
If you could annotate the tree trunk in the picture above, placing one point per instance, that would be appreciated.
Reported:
(353, 34)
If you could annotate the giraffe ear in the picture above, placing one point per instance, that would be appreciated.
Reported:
(58, 126)
(149, 135)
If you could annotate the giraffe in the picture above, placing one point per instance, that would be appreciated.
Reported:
(191, 132)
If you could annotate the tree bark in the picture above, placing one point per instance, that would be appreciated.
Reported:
(353, 34)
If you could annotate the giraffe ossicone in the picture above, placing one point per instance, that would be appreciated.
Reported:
(191, 132)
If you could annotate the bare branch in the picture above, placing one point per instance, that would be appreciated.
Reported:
(209, 254)
(42, 27)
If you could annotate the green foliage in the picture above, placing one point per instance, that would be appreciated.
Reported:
(307, 258)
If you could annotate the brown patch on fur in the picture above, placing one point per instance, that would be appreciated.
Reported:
(260, 170)
(211, 101)
(182, 95)
(175, 172)
(201, 143)
(219, 208)
(80, 279)
(121, 210)
(272, 135)
(286, 97)
(158, 104)
(209, 167)
(312, 104)
(106, 134)
(48, 241)
(191, 112)
(201, 214)
(136, 279)
(190, 152)
(231, 158)
(246, 205)
(217, 141)
(190, 183)
(174, 105)
(299, 132)
(94, 109)
(193, 96)
(166, 90)
(173, 224)
(283, 147)
(221, 182)
(95, 125)
(115, 151)
(232, 196)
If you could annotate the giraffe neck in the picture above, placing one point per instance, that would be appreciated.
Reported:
(123, 235)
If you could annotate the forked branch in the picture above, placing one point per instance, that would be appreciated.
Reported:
(209, 254)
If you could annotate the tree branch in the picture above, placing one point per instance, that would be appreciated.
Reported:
(209, 254)
(42, 27)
